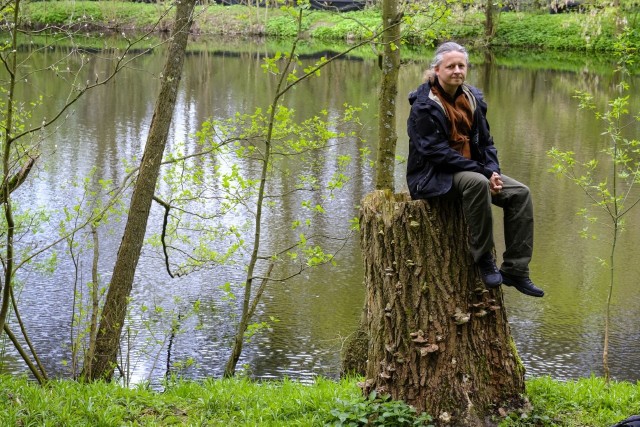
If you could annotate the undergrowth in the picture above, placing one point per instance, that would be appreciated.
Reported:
(243, 402)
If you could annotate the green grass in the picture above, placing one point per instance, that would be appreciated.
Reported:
(570, 31)
(93, 15)
(593, 31)
(242, 402)
(587, 402)
(234, 402)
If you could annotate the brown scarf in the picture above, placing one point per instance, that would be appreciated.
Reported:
(460, 118)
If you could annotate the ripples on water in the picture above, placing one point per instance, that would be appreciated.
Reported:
(559, 335)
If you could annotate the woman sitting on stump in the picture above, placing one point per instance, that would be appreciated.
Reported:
(451, 154)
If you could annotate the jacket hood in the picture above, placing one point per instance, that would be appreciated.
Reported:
(422, 90)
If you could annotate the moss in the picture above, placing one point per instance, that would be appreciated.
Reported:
(354, 353)
(520, 369)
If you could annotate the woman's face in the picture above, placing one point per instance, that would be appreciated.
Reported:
(451, 71)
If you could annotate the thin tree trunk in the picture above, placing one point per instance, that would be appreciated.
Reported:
(489, 24)
(354, 351)
(38, 374)
(9, 184)
(95, 302)
(390, 65)
(248, 307)
(115, 308)
(247, 314)
(437, 338)
(5, 190)
(43, 373)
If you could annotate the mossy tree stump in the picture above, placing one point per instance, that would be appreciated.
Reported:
(438, 339)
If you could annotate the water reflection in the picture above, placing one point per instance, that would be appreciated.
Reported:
(530, 111)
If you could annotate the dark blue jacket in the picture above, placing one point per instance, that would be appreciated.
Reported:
(432, 162)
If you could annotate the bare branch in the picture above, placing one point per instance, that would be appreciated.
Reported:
(165, 221)
(121, 63)
(19, 177)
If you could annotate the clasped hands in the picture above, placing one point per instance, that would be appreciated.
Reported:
(495, 183)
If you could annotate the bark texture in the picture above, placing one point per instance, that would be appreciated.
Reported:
(489, 21)
(115, 307)
(387, 95)
(437, 338)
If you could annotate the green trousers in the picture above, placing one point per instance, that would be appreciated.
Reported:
(515, 201)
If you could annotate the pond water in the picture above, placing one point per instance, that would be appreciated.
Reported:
(530, 111)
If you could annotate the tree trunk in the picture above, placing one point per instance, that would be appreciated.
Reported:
(437, 338)
(115, 307)
(489, 23)
(390, 65)
(354, 354)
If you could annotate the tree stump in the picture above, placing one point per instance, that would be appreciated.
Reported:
(438, 339)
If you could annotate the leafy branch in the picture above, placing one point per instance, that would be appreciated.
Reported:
(609, 186)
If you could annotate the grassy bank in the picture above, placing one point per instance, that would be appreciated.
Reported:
(571, 31)
(241, 402)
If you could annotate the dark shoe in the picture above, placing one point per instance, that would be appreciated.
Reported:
(489, 272)
(522, 283)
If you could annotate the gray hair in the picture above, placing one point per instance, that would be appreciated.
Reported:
(444, 48)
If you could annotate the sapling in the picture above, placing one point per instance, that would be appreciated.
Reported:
(607, 182)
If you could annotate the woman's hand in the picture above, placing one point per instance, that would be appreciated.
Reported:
(495, 183)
